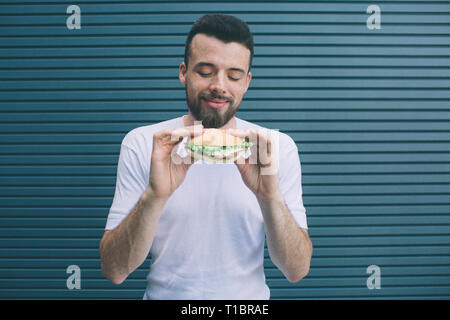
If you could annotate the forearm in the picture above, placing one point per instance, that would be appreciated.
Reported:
(126, 247)
(289, 245)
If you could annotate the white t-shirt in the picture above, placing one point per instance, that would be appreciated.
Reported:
(209, 241)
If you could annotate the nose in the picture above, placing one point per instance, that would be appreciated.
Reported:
(217, 84)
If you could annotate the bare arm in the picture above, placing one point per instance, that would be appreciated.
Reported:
(125, 248)
(290, 247)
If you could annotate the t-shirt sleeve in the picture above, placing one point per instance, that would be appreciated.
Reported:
(130, 184)
(290, 184)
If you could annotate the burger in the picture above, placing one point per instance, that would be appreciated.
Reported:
(215, 145)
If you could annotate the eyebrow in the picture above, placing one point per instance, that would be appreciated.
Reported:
(201, 64)
(237, 69)
(208, 64)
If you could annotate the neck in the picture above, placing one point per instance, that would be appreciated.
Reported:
(189, 120)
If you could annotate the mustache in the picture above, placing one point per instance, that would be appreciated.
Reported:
(212, 95)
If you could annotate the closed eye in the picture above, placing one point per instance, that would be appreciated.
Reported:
(235, 74)
(205, 74)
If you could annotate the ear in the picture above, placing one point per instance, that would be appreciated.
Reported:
(182, 73)
(249, 78)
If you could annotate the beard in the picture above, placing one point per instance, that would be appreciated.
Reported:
(210, 117)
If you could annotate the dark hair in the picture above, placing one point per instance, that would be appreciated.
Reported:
(223, 27)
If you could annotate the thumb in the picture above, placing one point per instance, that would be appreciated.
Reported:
(241, 163)
(178, 156)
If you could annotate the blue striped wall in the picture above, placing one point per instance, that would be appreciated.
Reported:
(368, 109)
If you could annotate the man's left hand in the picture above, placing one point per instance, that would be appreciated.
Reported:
(259, 171)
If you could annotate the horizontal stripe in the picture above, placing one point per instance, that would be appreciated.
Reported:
(339, 147)
(272, 61)
(351, 210)
(163, 84)
(355, 158)
(437, 281)
(91, 18)
(347, 249)
(307, 190)
(260, 51)
(231, 7)
(68, 40)
(290, 115)
(287, 126)
(303, 136)
(310, 169)
(258, 73)
(179, 106)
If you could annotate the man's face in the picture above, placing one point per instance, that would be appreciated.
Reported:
(216, 79)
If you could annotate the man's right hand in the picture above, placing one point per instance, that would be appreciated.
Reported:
(168, 169)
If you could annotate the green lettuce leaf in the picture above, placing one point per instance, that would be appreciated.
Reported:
(209, 150)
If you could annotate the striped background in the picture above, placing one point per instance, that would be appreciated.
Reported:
(368, 109)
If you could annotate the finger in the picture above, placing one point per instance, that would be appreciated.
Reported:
(178, 159)
(241, 161)
(262, 145)
(268, 153)
(264, 150)
(179, 135)
(174, 136)
(190, 131)
(250, 136)
(242, 133)
(163, 136)
(260, 140)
